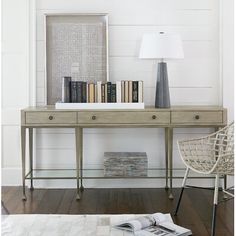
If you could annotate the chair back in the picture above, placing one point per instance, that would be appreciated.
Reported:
(224, 147)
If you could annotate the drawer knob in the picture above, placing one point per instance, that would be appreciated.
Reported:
(197, 117)
(154, 117)
(93, 117)
(50, 117)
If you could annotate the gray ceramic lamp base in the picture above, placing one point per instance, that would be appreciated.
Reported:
(162, 87)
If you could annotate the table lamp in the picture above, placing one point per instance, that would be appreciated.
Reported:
(161, 46)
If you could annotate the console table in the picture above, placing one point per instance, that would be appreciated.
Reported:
(175, 117)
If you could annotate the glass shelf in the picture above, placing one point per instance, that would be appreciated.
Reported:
(155, 173)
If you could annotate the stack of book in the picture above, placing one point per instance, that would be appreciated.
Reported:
(98, 92)
(125, 164)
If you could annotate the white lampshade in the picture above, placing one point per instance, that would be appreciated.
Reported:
(161, 46)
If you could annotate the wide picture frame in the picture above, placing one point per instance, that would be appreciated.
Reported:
(77, 46)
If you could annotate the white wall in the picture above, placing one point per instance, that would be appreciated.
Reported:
(227, 45)
(194, 80)
(15, 83)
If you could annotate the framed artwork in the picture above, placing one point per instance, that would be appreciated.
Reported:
(76, 46)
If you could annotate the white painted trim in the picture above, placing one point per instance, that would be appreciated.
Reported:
(107, 47)
(28, 51)
(227, 15)
(32, 53)
(45, 58)
(11, 176)
(220, 53)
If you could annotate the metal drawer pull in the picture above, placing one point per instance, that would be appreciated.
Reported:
(197, 117)
(93, 117)
(154, 117)
(50, 117)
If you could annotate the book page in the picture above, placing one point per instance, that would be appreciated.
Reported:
(144, 222)
(155, 230)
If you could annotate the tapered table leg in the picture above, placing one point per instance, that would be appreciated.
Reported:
(81, 160)
(166, 157)
(31, 157)
(170, 159)
(225, 181)
(79, 153)
(23, 134)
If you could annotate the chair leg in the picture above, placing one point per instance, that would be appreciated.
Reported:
(215, 205)
(182, 190)
(225, 196)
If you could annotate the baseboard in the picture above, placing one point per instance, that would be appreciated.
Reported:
(11, 176)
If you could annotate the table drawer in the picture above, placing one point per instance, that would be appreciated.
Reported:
(196, 117)
(50, 117)
(124, 117)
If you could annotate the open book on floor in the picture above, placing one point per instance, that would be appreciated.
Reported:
(155, 224)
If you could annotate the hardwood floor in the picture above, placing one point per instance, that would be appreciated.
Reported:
(195, 210)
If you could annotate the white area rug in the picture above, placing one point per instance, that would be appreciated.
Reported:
(63, 225)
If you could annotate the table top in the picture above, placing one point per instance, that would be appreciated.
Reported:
(147, 108)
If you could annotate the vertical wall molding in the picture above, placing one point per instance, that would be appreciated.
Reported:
(227, 47)
(32, 51)
(221, 52)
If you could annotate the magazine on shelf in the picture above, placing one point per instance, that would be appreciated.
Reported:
(155, 224)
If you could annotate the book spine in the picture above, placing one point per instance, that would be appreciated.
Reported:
(103, 93)
(130, 91)
(118, 91)
(73, 91)
(79, 91)
(135, 91)
(87, 92)
(108, 91)
(113, 93)
(95, 93)
(84, 92)
(140, 91)
(99, 91)
(122, 91)
(91, 93)
(126, 94)
(66, 89)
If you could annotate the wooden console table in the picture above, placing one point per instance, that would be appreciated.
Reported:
(175, 117)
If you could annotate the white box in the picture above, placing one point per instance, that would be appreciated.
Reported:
(94, 106)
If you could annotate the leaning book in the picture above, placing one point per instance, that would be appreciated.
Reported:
(152, 225)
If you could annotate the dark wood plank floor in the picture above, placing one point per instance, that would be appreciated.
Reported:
(195, 211)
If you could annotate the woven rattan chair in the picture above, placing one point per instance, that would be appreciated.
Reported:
(213, 154)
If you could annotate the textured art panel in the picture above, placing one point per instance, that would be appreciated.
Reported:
(76, 46)
(125, 164)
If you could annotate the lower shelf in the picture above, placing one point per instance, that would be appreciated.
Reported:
(155, 173)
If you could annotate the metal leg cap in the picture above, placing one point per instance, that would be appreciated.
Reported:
(225, 196)
(171, 197)
(82, 188)
(166, 187)
(24, 198)
(77, 197)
